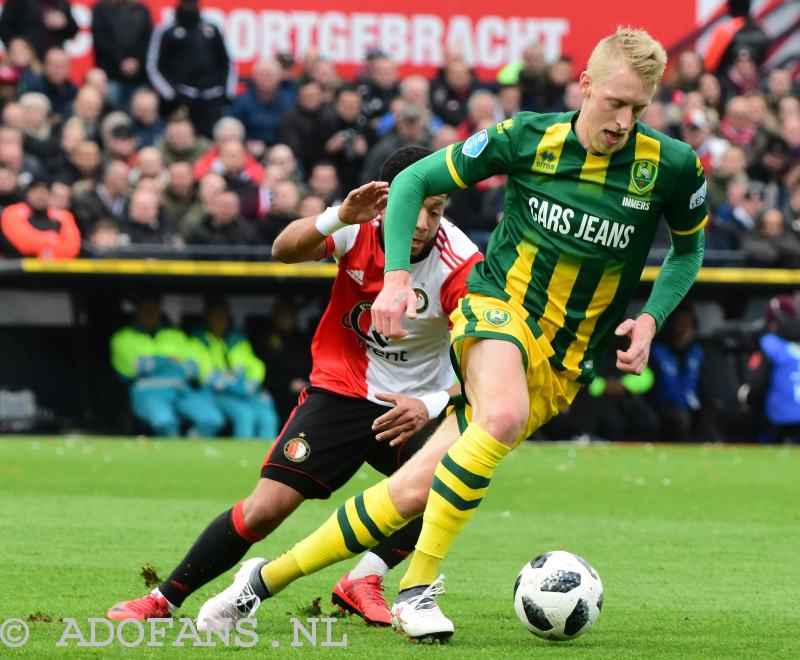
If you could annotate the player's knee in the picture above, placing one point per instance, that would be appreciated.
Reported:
(263, 514)
(503, 420)
(417, 498)
(409, 492)
(259, 516)
(411, 502)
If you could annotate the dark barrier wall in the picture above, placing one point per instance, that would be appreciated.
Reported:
(58, 317)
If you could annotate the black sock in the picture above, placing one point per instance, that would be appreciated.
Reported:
(399, 545)
(216, 550)
(257, 582)
(405, 594)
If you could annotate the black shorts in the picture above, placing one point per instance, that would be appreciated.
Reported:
(327, 439)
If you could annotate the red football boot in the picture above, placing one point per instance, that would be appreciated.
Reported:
(151, 606)
(362, 596)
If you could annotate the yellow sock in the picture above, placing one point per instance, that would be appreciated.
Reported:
(360, 523)
(280, 572)
(459, 484)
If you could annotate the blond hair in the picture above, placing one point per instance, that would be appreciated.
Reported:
(644, 54)
(31, 100)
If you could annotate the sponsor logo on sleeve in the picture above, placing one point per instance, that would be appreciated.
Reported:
(475, 144)
(698, 197)
(504, 125)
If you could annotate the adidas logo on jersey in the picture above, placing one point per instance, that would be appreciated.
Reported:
(357, 275)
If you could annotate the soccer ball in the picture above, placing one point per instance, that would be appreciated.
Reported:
(558, 595)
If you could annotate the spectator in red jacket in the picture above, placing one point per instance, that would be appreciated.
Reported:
(34, 229)
(226, 129)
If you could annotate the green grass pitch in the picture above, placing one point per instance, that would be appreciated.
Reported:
(698, 547)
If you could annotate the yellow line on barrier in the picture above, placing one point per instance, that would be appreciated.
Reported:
(785, 276)
(155, 267)
(151, 267)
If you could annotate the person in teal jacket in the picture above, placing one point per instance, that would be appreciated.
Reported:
(234, 375)
(160, 363)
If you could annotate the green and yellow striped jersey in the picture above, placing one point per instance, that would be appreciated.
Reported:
(577, 227)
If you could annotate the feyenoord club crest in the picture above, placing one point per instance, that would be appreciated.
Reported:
(297, 449)
(643, 175)
(422, 301)
(497, 317)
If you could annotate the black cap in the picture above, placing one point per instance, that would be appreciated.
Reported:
(375, 53)
(39, 179)
(123, 132)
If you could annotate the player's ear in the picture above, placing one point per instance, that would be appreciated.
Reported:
(585, 82)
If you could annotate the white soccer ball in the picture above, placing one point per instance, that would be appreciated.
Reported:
(558, 595)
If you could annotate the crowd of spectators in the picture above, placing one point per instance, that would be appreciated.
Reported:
(162, 145)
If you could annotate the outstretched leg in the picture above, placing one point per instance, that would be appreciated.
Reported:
(229, 536)
(218, 548)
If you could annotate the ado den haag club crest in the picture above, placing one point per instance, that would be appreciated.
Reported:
(497, 317)
(643, 175)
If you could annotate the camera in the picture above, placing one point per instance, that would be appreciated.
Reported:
(350, 151)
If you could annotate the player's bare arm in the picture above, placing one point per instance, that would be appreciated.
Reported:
(304, 239)
(409, 415)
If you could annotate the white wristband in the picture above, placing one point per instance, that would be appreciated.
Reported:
(328, 221)
(435, 402)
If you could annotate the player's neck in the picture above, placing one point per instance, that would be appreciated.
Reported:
(582, 132)
(579, 128)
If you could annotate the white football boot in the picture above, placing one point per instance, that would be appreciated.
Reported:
(239, 601)
(416, 613)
